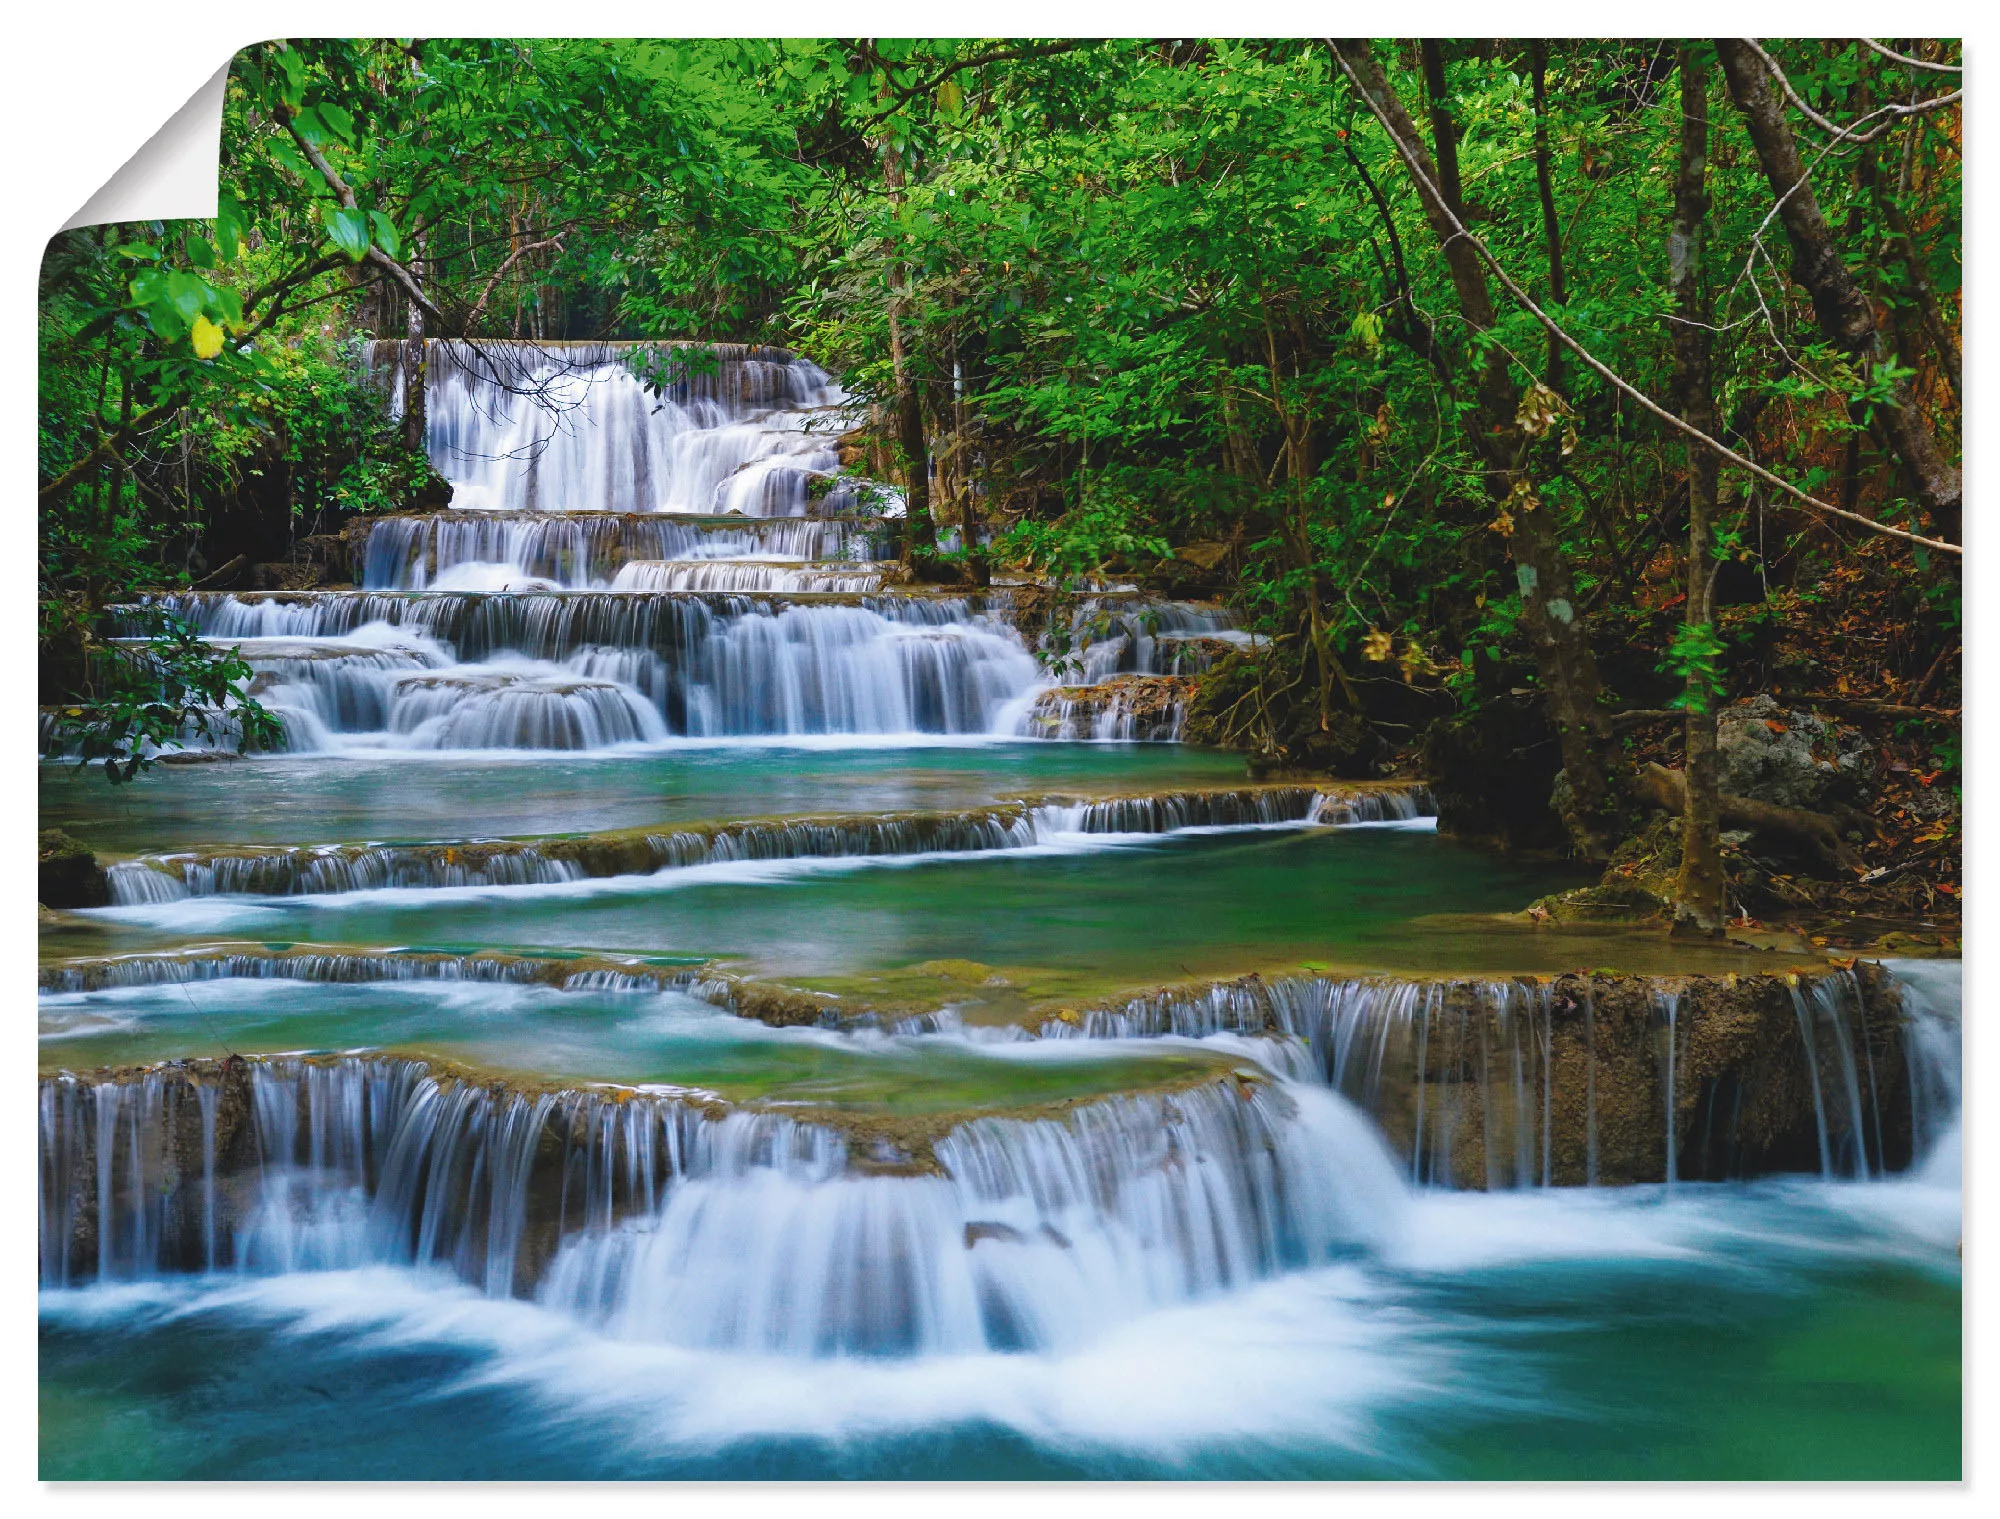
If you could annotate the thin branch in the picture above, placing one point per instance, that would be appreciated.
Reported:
(1000, 55)
(1915, 63)
(1852, 133)
(1602, 370)
(505, 264)
(340, 187)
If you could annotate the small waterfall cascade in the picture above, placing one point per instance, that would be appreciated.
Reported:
(669, 1217)
(351, 967)
(335, 868)
(722, 428)
(654, 541)
(1569, 1081)
(590, 551)
(1125, 637)
(590, 670)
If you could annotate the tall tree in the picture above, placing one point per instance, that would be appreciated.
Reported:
(1698, 889)
(1846, 315)
(1503, 426)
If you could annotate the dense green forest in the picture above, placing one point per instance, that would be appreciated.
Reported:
(1541, 402)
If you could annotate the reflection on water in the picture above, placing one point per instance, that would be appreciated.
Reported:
(1102, 912)
(305, 800)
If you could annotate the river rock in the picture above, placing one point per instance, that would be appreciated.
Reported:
(69, 875)
(1792, 759)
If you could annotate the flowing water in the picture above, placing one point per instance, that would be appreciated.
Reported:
(690, 1004)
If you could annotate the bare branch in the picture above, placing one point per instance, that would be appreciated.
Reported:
(506, 264)
(904, 96)
(1852, 134)
(1915, 63)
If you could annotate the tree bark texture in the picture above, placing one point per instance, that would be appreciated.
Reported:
(1699, 908)
(1846, 316)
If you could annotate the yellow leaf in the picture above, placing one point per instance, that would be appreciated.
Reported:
(207, 338)
(1376, 644)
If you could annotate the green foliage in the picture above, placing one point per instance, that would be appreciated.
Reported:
(170, 689)
(1695, 657)
(1164, 308)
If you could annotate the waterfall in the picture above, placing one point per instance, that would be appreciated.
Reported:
(667, 1217)
(1127, 637)
(575, 670)
(743, 575)
(1127, 709)
(563, 426)
(1669, 1002)
(636, 538)
(346, 967)
(315, 870)
(585, 550)
(1560, 1081)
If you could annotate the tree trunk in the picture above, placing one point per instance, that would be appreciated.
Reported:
(1814, 832)
(1846, 318)
(1538, 52)
(415, 365)
(1699, 907)
(1593, 761)
(920, 536)
(919, 530)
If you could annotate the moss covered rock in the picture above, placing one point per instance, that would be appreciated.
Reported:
(69, 875)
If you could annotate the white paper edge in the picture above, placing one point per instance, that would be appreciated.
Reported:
(173, 175)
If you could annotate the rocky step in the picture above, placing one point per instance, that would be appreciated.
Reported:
(1478, 1082)
(176, 1167)
(1127, 708)
(1014, 824)
(585, 549)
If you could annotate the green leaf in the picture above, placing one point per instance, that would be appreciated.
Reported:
(187, 293)
(348, 231)
(309, 126)
(230, 225)
(289, 157)
(386, 236)
(292, 81)
(338, 121)
(165, 322)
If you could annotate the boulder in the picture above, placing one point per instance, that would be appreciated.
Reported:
(69, 874)
(1792, 759)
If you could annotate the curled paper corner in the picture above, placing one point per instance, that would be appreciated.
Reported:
(173, 175)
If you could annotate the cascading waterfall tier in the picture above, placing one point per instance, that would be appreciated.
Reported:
(316, 870)
(1574, 1080)
(1561, 1081)
(1123, 709)
(669, 1216)
(582, 670)
(495, 551)
(745, 575)
(1129, 636)
(568, 426)
(333, 965)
